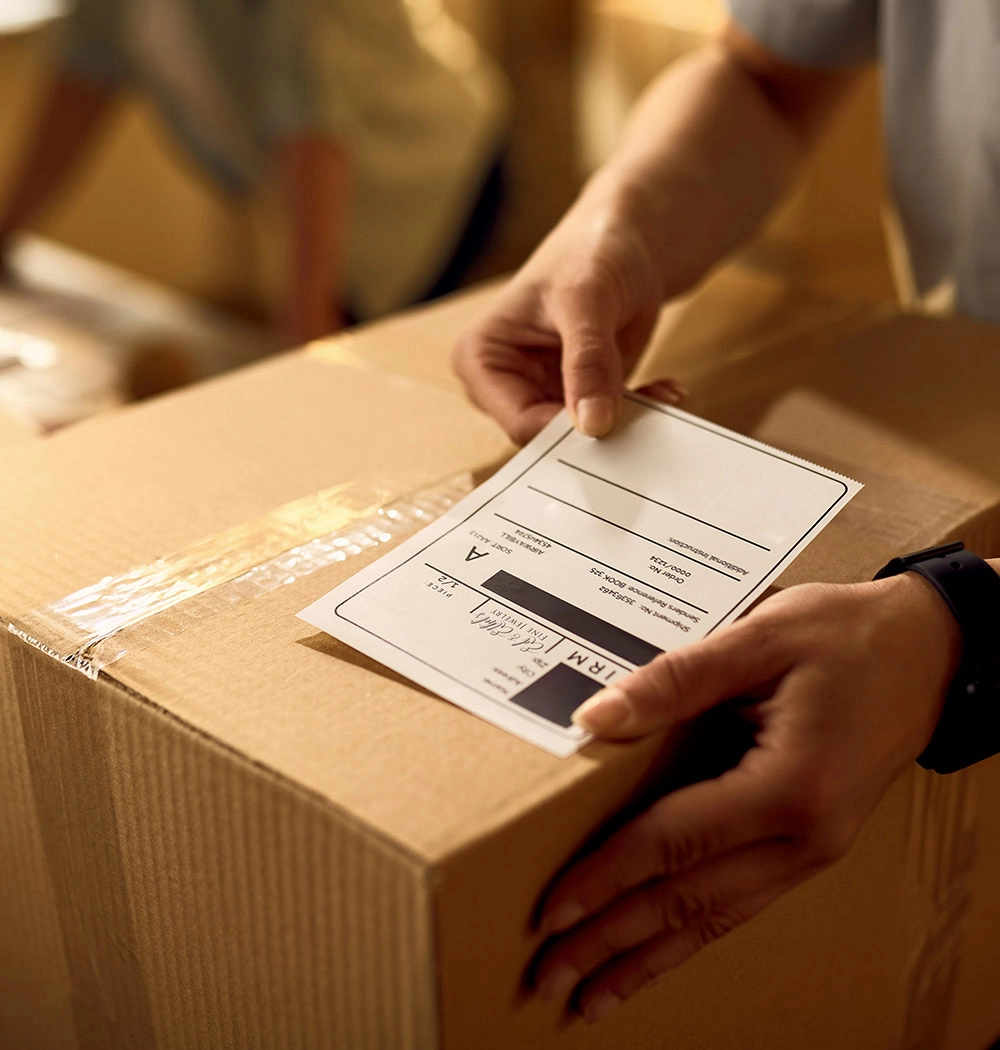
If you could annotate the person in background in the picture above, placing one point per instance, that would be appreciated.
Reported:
(844, 686)
(381, 122)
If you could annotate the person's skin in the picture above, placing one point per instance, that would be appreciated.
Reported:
(708, 151)
(845, 682)
(314, 173)
(71, 114)
(843, 685)
(315, 176)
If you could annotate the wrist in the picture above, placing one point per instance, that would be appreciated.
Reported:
(919, 602)
(934, 637)
(616, 197)
(968, 726)
(675, 213)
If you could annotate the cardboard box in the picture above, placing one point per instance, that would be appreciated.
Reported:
(235, 832)
(975, 1014)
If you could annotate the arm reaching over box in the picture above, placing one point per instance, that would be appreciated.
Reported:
(315, 175)
(71, 115)
(708, 151)
(844, 685)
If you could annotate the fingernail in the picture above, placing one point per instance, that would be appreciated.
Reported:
(559, 983)
(562, 918)
(601, 1007)
(669, 391)
(603, 713)
(595, 416)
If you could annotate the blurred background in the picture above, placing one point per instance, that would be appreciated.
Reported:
(142, 271)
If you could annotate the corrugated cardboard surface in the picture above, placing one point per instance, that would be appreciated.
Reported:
(34, 976)
(248, 835)
(826, 966)
(202, 900)
(159, 855)
(975, 1014)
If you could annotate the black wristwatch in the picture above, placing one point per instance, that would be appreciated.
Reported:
(969, 728)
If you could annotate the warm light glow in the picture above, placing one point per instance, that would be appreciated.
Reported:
(26, 351)
(16, 15)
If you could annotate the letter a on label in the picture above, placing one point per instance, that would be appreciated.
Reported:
(474, 554)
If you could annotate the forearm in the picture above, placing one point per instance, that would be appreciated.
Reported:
(315, 177)
(70, 115)
(922, 601)
(709, 150)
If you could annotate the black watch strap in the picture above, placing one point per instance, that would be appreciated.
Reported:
(969, 728)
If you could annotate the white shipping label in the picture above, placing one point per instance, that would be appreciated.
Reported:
(581, 560)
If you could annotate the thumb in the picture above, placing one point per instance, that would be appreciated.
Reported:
(591, 363)
(684, 683)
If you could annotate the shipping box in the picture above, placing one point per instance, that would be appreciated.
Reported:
(219, 828)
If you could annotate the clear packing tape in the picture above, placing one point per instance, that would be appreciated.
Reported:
(101, 623)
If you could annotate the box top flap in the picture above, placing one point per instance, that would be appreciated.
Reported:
(932, 381)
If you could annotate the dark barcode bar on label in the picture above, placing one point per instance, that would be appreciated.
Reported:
(557, 694)
(576, 621)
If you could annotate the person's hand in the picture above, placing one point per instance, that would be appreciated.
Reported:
(843, 686)
(568, 328)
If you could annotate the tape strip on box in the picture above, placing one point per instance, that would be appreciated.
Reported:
(72, 752)
(101, 623)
